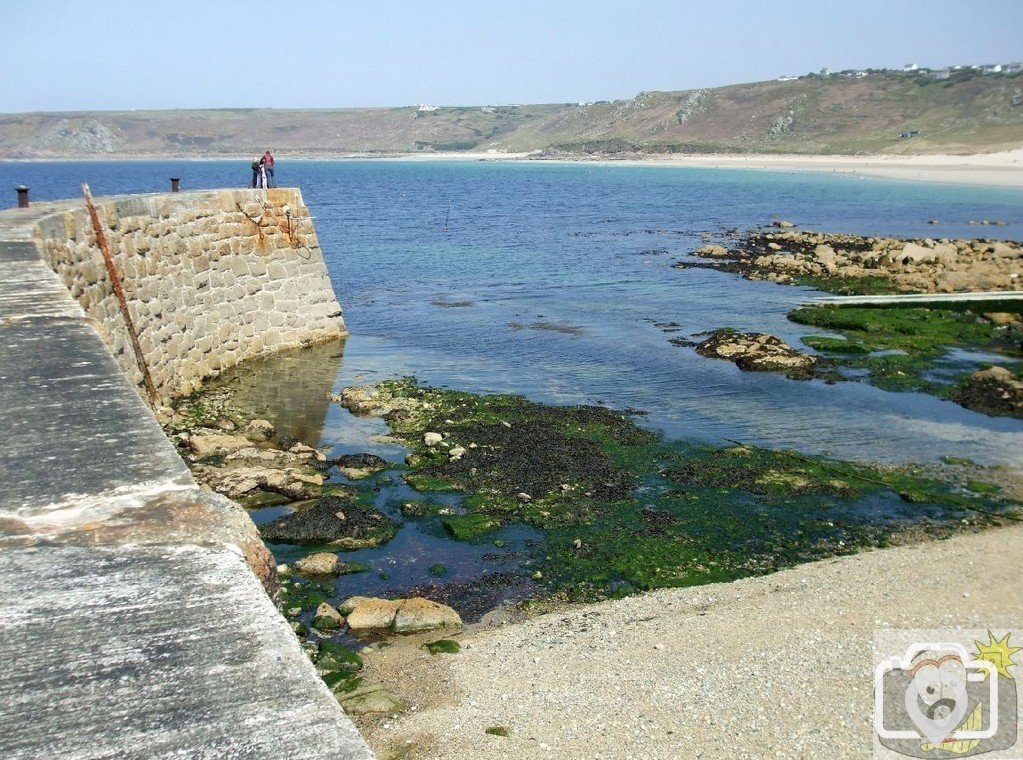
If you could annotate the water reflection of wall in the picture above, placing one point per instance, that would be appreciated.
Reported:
(291, 389)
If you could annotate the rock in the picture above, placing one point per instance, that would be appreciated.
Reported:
(260, 430)
(327, 618)
(782, 223)
(456, 453)
(716, 251)
(297, 484)
(916, 253)
(757, 352)
(358, 466)
(273, 458)
(205, 445)
(307, 451)
(994, 391)
(432, 439)
(415, 615)
(399, 615)
(362, 402)
(366, 613)
(320, 563)
(334, 520)
(1003, 318)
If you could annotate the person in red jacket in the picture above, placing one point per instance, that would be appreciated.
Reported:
(268, 166)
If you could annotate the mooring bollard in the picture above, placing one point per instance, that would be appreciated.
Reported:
(22, 196)
(174, 184)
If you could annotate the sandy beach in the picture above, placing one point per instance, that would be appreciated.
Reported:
(1004, 169)
(773, 666)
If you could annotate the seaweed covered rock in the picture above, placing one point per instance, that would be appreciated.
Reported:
(755, 352)
(995, 391)
(334, 520)
(358, 466)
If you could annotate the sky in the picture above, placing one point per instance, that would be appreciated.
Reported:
(59, 55)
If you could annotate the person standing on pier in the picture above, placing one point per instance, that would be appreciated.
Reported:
(268, 166)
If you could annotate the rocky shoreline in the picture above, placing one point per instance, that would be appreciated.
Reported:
(852, 264)
(898, 347)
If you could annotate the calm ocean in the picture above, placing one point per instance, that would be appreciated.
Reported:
(547, 279)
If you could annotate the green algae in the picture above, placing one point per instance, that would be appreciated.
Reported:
(443, 646)
(906, 348)
(438, 570)
(624, 511)
(469, 527)
(498, 731)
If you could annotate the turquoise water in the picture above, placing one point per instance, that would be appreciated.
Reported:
(549, 279)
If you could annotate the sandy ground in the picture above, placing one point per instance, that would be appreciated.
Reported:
(775, 666)
(1003, 169)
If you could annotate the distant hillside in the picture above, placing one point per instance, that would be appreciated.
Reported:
(970, 112)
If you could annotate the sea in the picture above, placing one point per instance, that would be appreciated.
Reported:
(555, 280)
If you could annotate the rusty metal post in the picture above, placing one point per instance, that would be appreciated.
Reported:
(22, 196)
(115, 280)
(174, 184)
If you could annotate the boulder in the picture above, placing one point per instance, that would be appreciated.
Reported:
(205, 445)
(367, 613)
(1003, 318)
(296, 484)
(358, 466)
(320, 563)
(399, 615)
(415, 615)
(327, 618)
(363, 402)
(274, 458)
(334, 520)
(755, 352)
(260, 430)
(432, 439)
(995, 391)
(716, 251)
(782, 223)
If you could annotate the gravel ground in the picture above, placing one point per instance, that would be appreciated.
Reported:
(775, 666)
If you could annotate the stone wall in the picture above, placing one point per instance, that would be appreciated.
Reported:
(211, 279)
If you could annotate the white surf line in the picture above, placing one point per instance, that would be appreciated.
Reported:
(1002, 295)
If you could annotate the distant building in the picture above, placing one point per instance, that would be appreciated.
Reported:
(423, 108)
(941, 73)
(1012, 68)
(787, 78)
(910, 67)
(992, 68)
(908, 135)
(825, 72)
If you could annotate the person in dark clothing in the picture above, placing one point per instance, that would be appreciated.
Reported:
(255, 173)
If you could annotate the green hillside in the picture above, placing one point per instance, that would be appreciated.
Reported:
(968, 113)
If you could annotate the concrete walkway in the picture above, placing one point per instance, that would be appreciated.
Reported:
(131, 623)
